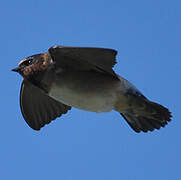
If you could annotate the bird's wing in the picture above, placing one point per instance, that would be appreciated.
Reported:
(84, 58)
(37, 108)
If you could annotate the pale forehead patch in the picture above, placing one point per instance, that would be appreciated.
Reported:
(22, 61)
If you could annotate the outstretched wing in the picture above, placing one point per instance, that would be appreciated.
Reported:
(37, 108)
(84, 58)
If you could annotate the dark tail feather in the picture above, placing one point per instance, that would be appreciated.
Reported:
(154, 116)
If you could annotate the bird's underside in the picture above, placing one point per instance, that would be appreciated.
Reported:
(83, 78)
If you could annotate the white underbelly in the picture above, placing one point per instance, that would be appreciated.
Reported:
(92, 100)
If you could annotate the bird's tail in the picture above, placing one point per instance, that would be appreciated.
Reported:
(145, 115)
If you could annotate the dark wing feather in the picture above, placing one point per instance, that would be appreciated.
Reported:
(37, 108)
(84, 58)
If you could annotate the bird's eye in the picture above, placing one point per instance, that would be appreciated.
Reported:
(28, 62)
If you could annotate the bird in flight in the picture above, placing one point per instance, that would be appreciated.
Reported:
(82, 77)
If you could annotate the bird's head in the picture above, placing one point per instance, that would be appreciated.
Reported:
(33, 65)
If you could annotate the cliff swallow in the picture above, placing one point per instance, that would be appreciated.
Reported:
(82, 77)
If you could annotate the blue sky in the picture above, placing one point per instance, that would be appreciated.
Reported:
(83, 145)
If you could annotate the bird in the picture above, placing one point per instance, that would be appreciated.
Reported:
(83, 78)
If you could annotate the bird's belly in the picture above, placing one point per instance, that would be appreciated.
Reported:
(92, 94)
(89, 101)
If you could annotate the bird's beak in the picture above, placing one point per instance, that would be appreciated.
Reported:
(16, 69)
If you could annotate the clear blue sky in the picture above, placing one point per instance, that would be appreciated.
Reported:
(83, 145)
